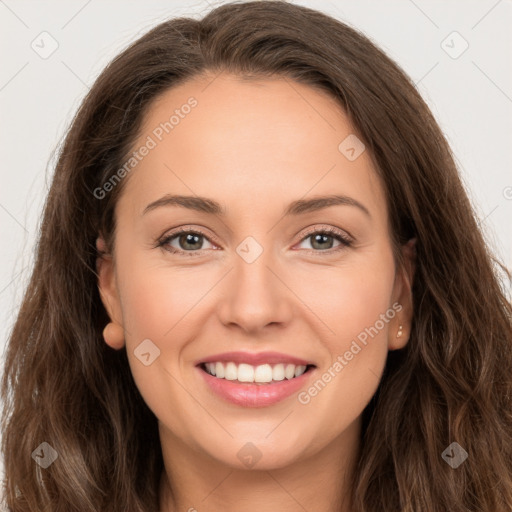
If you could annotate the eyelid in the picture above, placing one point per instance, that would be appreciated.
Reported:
(318, 228)
(166, 238)
(343, 237)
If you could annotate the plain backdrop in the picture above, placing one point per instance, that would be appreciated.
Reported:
(457, 52)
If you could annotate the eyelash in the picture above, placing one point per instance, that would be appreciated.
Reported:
(345, 241)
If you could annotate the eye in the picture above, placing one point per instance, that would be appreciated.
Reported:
(191, 242)
(188, 241)
(322, 239)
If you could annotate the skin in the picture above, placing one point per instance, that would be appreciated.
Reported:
(254, 146)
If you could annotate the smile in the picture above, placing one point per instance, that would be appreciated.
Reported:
(261, 374)
(232, 387)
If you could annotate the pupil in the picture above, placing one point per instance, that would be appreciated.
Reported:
(321, 239)
(190, 239)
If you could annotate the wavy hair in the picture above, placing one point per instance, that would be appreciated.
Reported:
(451, 383)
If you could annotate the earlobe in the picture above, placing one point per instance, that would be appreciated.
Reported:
(113, 333)
(400, 330)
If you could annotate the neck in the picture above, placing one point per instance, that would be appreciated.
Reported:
(194, 482)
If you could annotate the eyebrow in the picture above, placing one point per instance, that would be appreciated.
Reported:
(298, 207)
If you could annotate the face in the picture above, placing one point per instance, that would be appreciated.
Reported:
(243, 267)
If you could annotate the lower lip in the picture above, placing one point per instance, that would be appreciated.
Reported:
(255, 395)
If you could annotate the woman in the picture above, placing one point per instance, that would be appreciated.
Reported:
(186, 343)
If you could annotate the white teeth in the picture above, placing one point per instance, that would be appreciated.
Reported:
(278, 372)
(230, 371)
(299, 370)
(261, 374)
(289, 371)
(219, 370)
(245, 373)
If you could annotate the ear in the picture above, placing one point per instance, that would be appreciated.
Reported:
(107, 286)
(402, 294)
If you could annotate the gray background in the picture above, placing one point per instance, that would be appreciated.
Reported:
(471, 96)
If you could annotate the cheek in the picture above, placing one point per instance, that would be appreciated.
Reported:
(354, 307)
(156, 298)
(155, 302)
(348, 298)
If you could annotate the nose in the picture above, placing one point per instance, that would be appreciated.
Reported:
(256, 295)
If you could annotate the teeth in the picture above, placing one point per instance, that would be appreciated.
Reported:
(230, 371)
(278, 372)
(248, 373)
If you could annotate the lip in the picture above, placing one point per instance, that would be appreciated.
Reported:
(255, 359)
(254, 395)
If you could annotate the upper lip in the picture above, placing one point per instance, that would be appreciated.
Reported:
(255, 359)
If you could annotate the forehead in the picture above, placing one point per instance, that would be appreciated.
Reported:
(264, 139)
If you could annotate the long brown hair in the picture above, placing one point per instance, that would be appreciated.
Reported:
(451, 383)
